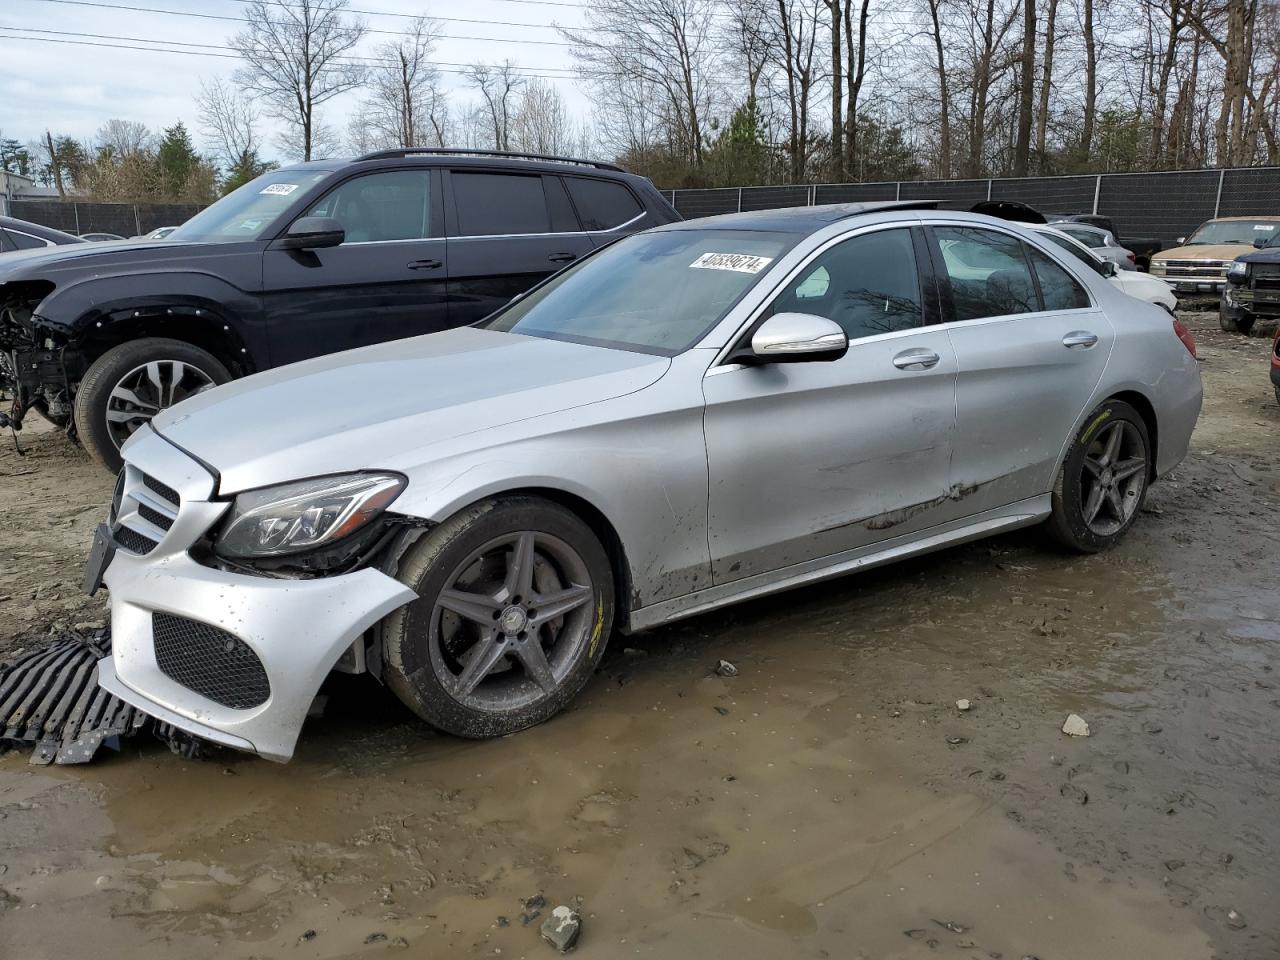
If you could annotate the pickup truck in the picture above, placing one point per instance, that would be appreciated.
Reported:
(1142, 248)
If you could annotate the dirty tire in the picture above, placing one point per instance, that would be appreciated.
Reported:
(1242, 324)
(1228, 324)
(1067, 522)
(415, 651)
(107, 372)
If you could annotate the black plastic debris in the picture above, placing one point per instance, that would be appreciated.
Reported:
(50, 702)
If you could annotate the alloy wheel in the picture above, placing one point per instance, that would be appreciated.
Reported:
(1113, 478)
(512, 621)
(146, 390)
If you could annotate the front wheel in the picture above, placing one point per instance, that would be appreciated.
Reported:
(515, 605)
(1240, 324)
(132, 382)
(1103, 479)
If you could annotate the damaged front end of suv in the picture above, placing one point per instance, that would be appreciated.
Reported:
(39, 363)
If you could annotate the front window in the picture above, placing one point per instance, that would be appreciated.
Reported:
(1243, 232)
(652, 292)
(392, 205)
(249, 212)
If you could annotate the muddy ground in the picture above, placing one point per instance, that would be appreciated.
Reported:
(829, 801)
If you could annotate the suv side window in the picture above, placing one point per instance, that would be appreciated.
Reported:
(988, 271)
(867, 284)
(602, 204)
(1058, 289)
(498, 204)
(394, 205)
(24, 241)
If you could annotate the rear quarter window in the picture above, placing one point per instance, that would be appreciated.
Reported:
(602, 204)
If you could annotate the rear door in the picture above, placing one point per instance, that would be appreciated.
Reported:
(385, 281)
(507, 231)
(1030, 348)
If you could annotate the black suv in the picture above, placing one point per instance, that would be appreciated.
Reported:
(306, 260)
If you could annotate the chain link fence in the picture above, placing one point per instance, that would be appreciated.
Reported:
(123, 219)
(1163, 205)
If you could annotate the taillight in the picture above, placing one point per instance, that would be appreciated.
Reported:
(1185, 336)
(1133, 258)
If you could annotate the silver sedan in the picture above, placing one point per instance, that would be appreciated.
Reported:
(1101, 242)
(690, 417)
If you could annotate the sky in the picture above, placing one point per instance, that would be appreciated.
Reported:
(73, 87)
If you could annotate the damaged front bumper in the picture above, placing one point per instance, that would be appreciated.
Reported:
(231, 657)
(39, 365)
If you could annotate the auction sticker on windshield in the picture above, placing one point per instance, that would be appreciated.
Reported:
(279, 189)
(738, 262)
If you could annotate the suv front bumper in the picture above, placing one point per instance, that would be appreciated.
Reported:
(296, 630)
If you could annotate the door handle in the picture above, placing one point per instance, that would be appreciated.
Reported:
(918, 358)
(562, 257)
(423, 264)
(1080, 338)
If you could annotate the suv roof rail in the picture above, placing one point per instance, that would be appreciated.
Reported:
(506, 154)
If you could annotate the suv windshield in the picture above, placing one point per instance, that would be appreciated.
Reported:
(1235, 231)
(652, 292)
(247, 212)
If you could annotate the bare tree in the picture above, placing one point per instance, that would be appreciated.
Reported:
(541, 122)
(499, 86)
(404, 89)
(298, 56)
(123, 137)
(229, 120)
(1046, 81)
(855, 74)
(1026, 89)
(944, 93)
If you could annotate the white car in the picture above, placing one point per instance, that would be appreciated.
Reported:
(1141, 285)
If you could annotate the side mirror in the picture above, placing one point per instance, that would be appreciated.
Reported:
(796, 338)
(312, 233)
(1182, 240)
(1259, 242)
(1109, 268)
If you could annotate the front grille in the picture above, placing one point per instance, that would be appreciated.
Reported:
(143, 510)
(209, 661)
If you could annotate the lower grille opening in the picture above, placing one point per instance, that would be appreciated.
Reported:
(132, 540)
(209, 661)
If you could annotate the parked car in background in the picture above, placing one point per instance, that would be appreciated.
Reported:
(1275, 364)
(95, 237)
(1199, 265)
(306, 260)
(693, 416)
(1102, 242)
(20, 235)
(1143, 286)
(1142, 248)
(1252, 289)
(159, 233)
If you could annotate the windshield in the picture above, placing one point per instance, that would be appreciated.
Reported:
(249, 211)
(1234, 231)
(652, 292)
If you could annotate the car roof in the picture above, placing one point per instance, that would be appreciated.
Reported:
(807, 220)
(1261, 216)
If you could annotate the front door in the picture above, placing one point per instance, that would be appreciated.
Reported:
(507, 232)
(808, 460)
(1031, 348)
(384, 282)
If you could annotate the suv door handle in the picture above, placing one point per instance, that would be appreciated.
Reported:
(423, 264)
(562, 257)
(1080, 338)
(917, 358)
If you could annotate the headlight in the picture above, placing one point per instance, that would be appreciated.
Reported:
(1238, 272)
(1158, 266)
(295, 517)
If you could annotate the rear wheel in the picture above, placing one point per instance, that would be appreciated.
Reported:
(130, 383)
(1103, 479)
(514, 608)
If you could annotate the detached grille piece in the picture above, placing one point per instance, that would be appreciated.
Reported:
(209, 661)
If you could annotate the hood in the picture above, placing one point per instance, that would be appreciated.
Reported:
(1204, 251)
(374, 407)
(1266, 255)
(45, 263)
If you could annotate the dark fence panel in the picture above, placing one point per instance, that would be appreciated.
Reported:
(973, 190)
(771, 198)
(854, 192)
(706, 203)
(1049, 194)
(1249, 192)
(1163, 205)
(125, 219)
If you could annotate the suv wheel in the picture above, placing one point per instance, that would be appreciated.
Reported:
(1240, 324)
(514, 608)
(130, 383)
(1103, 479)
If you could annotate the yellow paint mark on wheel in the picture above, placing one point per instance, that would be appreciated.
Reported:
(597, 629)
(1104, 415)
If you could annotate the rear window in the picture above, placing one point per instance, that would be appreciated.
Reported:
(602, 204)
(497, 204)
(25, 241)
